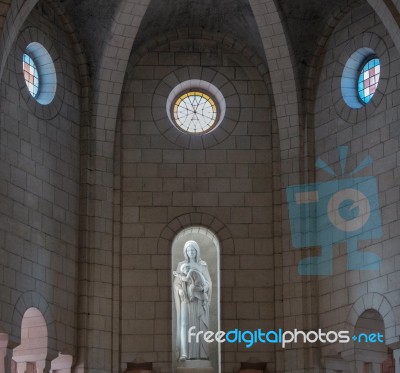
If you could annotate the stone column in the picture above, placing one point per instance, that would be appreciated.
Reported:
(396, 356)
(3, 351)
(40, 365)
(333, 364)
(61, 364)
(21, 367)
(356, 366)
(376, 368)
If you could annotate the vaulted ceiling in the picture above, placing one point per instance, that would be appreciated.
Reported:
(304, 21)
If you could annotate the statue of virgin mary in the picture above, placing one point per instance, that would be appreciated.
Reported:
(192, 295)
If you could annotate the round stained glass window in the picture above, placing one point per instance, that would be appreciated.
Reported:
(31, 75)
(39, 73)
(368, 79)
(195, 112)
(360, 78)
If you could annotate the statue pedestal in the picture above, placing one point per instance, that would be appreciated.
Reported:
(195, 366)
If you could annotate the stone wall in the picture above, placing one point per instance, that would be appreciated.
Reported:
(221, 180)
(372, 130)
(39, 188)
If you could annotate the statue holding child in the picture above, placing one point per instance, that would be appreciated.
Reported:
(192, 294)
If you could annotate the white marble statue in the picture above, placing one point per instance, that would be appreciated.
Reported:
(192, 293)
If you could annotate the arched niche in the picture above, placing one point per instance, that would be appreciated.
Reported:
(210, 254)
(371, 356)
(31, 354)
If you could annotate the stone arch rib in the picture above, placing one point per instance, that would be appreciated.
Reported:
(15, 18)
(99, 349)
(283, 78)
(389, 13)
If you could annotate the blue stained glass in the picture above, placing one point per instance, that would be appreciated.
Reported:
(31, 75)
(368, 80)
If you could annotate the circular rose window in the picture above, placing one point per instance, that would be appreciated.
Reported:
(196, 107)
(195, 112)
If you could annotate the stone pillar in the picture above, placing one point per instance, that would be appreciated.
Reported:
(3, 351)
(61, 364)
(376, 368)
(356, 366)
(396, 356)
(40, 365)
(334, 364)
(21, 367)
